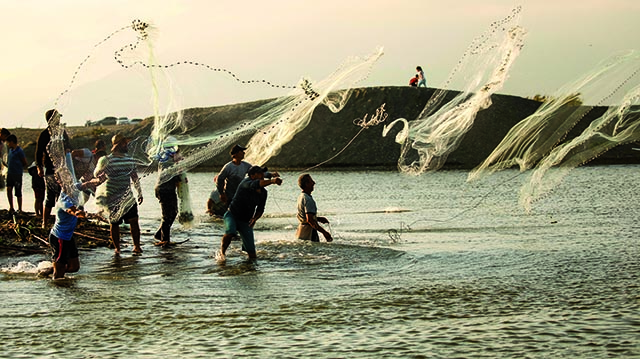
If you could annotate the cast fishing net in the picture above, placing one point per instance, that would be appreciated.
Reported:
(427, 140)
(270, 124)
(538, 140)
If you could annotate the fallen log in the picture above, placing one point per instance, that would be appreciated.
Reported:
(41, 240)
(22, 249)
(91, 237)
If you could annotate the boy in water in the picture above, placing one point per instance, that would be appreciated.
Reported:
(309, 225)
(65, 253)
(17, 162)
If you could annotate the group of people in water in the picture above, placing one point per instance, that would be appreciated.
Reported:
(239, 197)
(241, 194)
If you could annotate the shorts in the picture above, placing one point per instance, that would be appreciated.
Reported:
(233, 226)
(215, 205)
(39, 193)
(307, 233)
(168, 205)
(15, 181)
(131, 214)
(53, 191)
(63, 250)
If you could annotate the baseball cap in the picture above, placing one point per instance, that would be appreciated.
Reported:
(256, 169)
(236, 149)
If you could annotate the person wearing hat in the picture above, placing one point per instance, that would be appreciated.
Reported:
(232, 174)
(45, 164)
(229, 178)
(166, 192)
(116, 172)
(246, 207)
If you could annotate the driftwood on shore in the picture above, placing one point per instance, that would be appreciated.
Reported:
(22, 233)
(21, 249)
(76, 233)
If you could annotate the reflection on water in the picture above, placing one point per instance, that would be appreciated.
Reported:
(486, 282)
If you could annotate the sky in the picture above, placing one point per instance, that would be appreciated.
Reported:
(45, 41)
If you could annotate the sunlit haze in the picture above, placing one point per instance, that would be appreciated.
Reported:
(44, 42)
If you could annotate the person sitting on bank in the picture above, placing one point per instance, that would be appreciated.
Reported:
(307, 213)
(414, 81)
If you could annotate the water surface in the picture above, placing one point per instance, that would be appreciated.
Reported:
(425, 266)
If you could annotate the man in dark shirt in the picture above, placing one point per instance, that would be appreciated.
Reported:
(245, 209)
(45, 164)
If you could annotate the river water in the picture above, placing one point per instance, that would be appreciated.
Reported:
(421, 267)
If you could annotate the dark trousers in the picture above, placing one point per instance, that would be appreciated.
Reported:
(169, 206)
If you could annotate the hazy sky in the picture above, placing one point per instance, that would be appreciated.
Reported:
(44, 41)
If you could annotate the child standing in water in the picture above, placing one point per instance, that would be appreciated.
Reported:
(17, 162)
(65, 253)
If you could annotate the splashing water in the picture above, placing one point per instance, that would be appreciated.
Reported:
(24, 267)
(537, 140)
(185, 214)
(438, 129)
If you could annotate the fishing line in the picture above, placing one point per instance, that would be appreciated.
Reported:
(440, 127)
(379, 117)
(142, 28)
(395, 234)
(271, 125)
